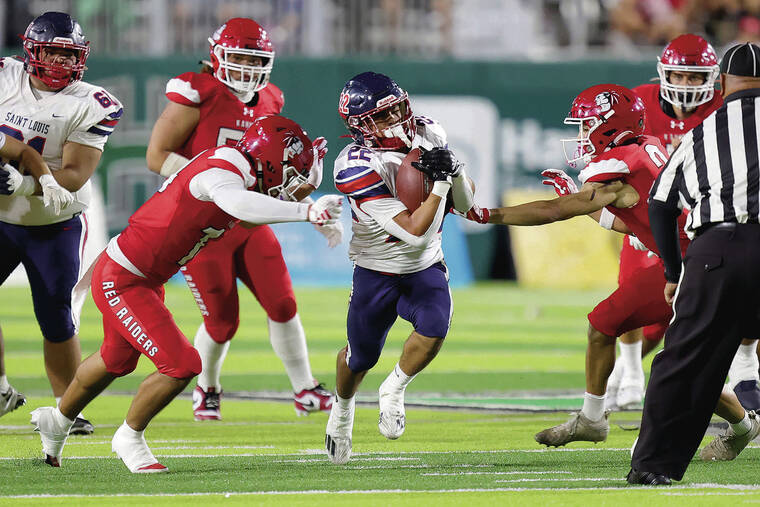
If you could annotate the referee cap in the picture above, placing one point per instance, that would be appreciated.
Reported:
(741, 60)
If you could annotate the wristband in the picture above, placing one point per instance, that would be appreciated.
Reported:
(607, 219)
(173, 163)
(441, 189)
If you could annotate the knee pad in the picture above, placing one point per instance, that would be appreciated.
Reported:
(56, 328)
(185, 363)
(362, 359)
(433, 322)
(282, 309)
(119, 364)
(221, 331)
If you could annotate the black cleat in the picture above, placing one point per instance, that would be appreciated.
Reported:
(647, 478)
(81, 427)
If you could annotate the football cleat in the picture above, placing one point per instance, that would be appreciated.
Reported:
(647, 478)
(52, 433)
(392, 421)
(316, 399)
(340, 425)
(10, 400)
(81, 426)
(727, 447)
(748, 394)
(134, 452)
(207, 404)
(578, 429)
(630, 394)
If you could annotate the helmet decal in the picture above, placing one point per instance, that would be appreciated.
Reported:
(606, 100)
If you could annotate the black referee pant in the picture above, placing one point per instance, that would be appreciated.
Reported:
(717, 303)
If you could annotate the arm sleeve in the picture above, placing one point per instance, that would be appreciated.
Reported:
(226, 189)
(391, 227)
(462, 193)
(663, 220)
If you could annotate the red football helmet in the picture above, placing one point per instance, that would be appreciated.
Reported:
(241, 38)
(55, 31)
(607, 115)
(280, 153)
(688, 53)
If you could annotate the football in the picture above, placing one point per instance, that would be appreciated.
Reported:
(412, 186)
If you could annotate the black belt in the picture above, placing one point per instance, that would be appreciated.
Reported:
(725, 226)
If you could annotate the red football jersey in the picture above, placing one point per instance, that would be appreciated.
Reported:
(638, 165)
(224, 117)
(168, 230)
(667, 128)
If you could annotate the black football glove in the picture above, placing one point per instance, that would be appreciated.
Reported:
(438, 164)
(5, 182)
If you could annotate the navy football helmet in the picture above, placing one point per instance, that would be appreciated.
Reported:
(377, 112)
(55, 30)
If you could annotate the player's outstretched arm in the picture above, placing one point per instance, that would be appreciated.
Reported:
(172, 129)
(588, 200)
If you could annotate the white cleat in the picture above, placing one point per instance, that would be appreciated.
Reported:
(134, 452)
(340, 425)
(392, 421)
(52, 433)
(630, 395)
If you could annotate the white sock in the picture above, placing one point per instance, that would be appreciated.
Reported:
(62, 420)
(58, 402)
(593, 406)
(743, 426)
(128, 432)
(345, 404)
(212, 358)
(4, 385)
(289, 343)
(397, 379)
(630, 354)
(616, 375)
(745, 365)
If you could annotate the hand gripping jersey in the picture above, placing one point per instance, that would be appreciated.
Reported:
(368, 178)
(638, 165)
(79, 113)
(168, 230)
(665, 127)
(224, 117)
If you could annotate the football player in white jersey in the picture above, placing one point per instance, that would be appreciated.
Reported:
(53, 195)
(44, 103)
(398, 261)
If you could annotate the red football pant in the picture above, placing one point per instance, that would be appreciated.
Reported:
(638, 301)
(255, 257)
(135, 321)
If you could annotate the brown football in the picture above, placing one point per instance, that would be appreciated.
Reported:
(412, 186)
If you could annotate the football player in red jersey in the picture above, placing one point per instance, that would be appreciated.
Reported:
(221, 190)
(213, 108)
(622, 163)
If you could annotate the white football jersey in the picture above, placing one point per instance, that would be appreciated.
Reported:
(80, 113)
(368, 178)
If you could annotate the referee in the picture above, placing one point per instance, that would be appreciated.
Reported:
(716, 299)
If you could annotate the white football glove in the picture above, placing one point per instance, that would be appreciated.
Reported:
(333, 233)
(636, 243)
(13, 182)
(315, 173)
(326, 210)
(54, 194)
(561, 181)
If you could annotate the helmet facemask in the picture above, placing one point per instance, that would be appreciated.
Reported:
(687, 97)
(52, 74)
(581, 148)
(393, 136)
(251, 78)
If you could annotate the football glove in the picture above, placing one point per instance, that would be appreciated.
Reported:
(562, 182)
(54, 194)
(315, 173)
(13, 182)
(326, 210)
(478, 214)
(332, 232)
(438, 164)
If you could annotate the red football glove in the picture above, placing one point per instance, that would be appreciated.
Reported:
(563, 184)
(478, 214)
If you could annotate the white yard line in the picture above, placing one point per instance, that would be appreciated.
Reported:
(548, 472)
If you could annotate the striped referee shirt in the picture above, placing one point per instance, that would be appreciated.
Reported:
(714, 173)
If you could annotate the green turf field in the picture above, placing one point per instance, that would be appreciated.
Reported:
(508, 349)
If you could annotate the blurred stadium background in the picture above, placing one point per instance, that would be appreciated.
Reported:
(498, 74)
